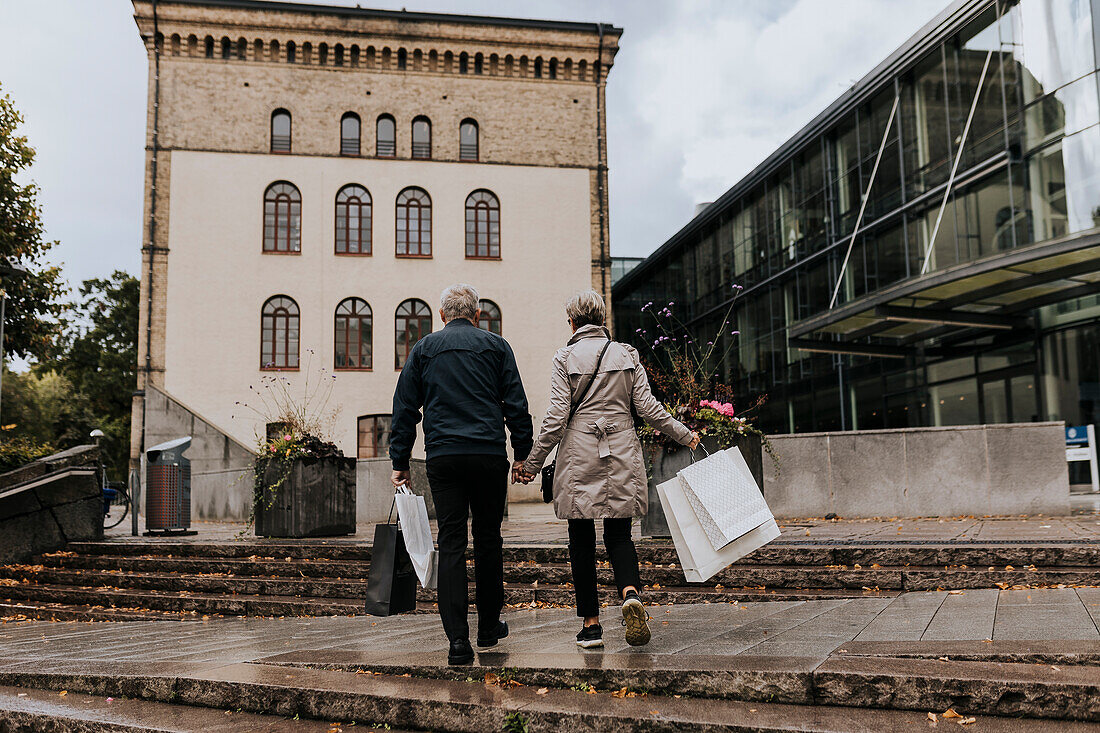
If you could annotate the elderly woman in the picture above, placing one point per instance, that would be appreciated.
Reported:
(600, 473)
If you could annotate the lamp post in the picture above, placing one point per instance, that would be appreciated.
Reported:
(5, 269)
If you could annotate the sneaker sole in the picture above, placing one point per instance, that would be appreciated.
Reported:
(637, 630)
(590, 644)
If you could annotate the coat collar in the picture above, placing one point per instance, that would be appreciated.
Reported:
(589, 332)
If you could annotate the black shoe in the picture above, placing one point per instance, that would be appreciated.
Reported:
(634, 619)
(590, 636)
(461, 652)
(494, 636)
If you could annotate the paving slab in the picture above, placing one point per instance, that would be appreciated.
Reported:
(1057, 613)
(906, 619)
(964, 615)
(1056, 652)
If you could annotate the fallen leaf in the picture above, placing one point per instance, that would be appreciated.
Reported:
(950, 713)
(591, 690)
(542, 691)
(620, 693)
(492, 678)
(654, 712)
(932, 717)
(944, 659)
(1055, 668)
(968, 721)
(955, 593)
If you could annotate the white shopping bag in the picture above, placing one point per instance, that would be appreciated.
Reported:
(724, 496)
(413, 515)
(698, 557)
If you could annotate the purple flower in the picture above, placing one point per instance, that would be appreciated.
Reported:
(710, 343)
(735, 333)
(671, 303)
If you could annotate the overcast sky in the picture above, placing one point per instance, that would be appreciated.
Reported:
(701, 91)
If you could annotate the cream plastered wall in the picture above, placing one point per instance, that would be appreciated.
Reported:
(218, 277)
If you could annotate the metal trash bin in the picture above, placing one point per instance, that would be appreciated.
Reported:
(168, 488)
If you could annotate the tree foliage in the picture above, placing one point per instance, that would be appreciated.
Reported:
(36, 299)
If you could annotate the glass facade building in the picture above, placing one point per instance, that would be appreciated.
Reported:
(926, 251)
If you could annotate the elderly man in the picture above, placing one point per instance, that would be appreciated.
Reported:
(466, 380)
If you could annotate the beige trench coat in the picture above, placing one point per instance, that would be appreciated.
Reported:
(600, 469)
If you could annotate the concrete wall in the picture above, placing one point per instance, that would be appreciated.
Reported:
(221, 467)
(47, 503)
(948, 471)
(374, 489)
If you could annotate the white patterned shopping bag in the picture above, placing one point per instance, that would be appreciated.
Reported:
(699, 559)
(724, 496)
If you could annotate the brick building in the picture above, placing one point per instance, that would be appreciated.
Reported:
(315, 175)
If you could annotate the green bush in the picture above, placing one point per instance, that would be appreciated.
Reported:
(16, 452)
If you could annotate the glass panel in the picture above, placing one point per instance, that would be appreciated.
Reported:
(1024, 399)
(955, 403)
(994, 402)
(1070, 109)
(1053, 43)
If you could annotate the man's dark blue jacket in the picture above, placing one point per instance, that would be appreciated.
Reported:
(467, 381)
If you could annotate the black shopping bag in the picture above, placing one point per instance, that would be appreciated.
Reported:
(391, 581)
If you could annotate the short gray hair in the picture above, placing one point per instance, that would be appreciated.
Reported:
(459, 301)
(586, 308)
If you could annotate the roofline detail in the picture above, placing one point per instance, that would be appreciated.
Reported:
(400, 15)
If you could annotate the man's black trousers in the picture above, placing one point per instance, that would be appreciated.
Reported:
(462, 486)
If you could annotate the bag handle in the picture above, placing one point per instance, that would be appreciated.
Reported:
(584, 392)
(399, 489)
(704, 450)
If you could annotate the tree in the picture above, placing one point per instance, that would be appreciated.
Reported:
(36, 300)
(98, 358)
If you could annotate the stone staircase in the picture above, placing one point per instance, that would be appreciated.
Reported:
(133, 580)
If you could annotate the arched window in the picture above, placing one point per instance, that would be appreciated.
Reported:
(402, 59)
(208, 43)
(413, 321)
(279, 333)
(490, 316)
(482, 225)
(282, 218)
(467, 140)
(464, 63)
(353, 220)
(349, 134)
(291, 52)
(354, 332)
(280, 131)
(422, 138)
(414, 223)
(385, 145)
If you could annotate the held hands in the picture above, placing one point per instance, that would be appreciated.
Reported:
(399, 477)
(695, 438)
(520, 476)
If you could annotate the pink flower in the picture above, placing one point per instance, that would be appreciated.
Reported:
(286, 437)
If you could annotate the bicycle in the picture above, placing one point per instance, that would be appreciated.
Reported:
(116, 500)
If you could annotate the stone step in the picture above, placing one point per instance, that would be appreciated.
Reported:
(11, 611)
(969, 687)
(289, 597)
(737, 576)
(780, 552)
(43, 710)
(473, 706)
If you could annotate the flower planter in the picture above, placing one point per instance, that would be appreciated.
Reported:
(664, 465)
(316, 498)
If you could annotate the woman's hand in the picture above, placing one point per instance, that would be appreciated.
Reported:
(695, 438)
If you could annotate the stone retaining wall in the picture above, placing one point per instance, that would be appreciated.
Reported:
(948, 471)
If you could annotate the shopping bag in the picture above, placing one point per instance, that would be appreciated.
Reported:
(699, 559)
(391, 581)
(413, 514)
(724, 496)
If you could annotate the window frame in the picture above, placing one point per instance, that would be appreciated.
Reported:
(399, 318)
(375, 432)
(274, 147)
(490, 207)
(399, 218)
(292, 318)
(463, 147)
(365, 315)
(378, 140)
(424, 152)
(358, 139)
(275, 201)
(498, 318)
(363, 203)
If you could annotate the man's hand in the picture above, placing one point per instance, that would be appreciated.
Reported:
(519, 476)
(399, 477)
(695, 438)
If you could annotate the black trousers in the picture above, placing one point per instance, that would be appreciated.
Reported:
(463, 486)
(582, 560)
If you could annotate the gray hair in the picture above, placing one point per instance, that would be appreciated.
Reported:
(459, 301)
(586, 308)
